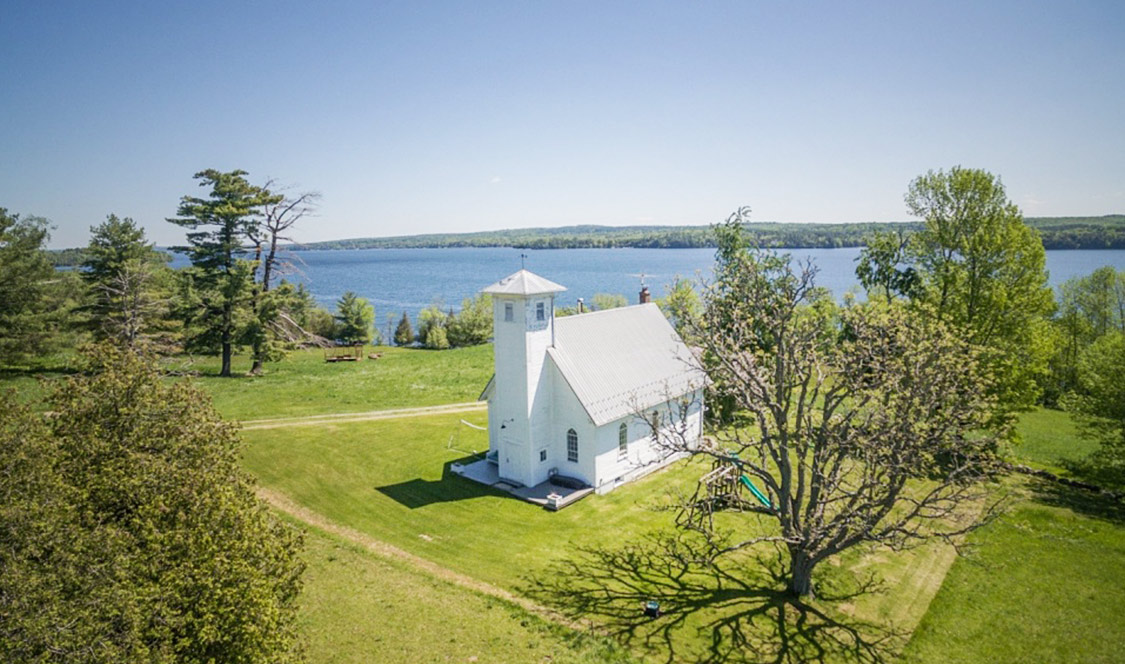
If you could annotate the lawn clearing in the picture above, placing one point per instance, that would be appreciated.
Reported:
(360, 607)
(389, 480)
(304, 384)
(1050, 439)
(1043, 585)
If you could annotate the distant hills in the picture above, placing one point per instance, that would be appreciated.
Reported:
(1107, 232)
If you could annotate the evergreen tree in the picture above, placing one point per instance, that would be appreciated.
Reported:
(128, 283)
(30, 297)
(221, 280)
(404, 335)
(129, 531)
(355, 318)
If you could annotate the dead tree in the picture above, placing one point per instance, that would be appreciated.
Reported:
(279, 216)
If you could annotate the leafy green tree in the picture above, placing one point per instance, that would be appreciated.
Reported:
(129, 287)
(429, 318)
(1089, 307)
(881, 268)
(982, 269)
(129, 531)
(1100, 403)
(436, 338)
(355, 319)
(222, 281)
(30, 298)
(472, 325)
(404, 335)
(682, 306)
(603, 301)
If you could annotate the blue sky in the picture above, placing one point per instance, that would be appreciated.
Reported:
(415, 117)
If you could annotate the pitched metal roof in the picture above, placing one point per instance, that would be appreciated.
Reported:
(523, 283)
(620, 361)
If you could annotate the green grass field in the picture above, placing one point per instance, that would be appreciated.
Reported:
(1042, 583)
(362, 608)
(304, 384)
(1049, 438)
(389, 480)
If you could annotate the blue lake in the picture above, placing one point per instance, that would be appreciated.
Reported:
(397, 280)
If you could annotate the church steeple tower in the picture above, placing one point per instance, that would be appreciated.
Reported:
(523, 316)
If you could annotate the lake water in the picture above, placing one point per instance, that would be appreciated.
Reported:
(397, 280)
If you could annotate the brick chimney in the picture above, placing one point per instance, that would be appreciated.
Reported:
(645, 297)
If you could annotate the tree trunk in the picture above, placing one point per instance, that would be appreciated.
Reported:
(225, 371)
(226, 340)
(800, 573)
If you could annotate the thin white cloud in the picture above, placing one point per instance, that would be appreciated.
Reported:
(495, 180)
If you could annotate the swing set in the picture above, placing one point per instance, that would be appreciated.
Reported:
(723, 489)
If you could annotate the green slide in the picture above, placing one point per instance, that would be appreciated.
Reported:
(757, 494)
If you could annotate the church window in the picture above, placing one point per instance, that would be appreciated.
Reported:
(540, 311)
(572, 445)
(508, 316)
(622, 441)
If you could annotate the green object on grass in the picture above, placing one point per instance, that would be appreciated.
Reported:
(757, 494)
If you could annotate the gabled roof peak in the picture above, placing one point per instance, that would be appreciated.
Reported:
(523, 282)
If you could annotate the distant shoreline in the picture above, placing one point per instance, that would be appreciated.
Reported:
(1105, 232)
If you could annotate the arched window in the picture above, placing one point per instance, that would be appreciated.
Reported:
(623, 441)
(572, 445)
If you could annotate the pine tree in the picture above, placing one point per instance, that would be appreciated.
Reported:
(355, 317)
(404, 335)
(129, 531)
(127, 279)
(29, 297)
(220, 224)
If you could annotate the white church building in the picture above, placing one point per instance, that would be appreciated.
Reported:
(573, 398)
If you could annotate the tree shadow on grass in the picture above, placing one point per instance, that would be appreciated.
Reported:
(1081, 501)
(418, 492)
(713, 613)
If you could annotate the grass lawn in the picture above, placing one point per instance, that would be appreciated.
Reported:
(359, 607)
(1044, 584)
(390, 479)
(304, 384)
(596, 559)
(1050, 438)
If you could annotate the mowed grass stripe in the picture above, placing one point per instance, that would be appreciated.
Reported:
(315, 420)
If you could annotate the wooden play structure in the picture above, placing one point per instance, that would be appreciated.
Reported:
(343, 353)
(725, 487)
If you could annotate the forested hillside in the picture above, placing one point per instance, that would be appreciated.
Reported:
(1106, 232)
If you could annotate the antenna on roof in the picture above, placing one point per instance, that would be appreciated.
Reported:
(523, 258)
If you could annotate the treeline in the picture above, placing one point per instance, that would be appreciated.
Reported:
(1106, 232)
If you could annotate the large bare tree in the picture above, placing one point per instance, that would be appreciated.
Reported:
(857, 425)
(279, 216)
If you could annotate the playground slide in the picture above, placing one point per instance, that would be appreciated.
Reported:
(757, 494)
